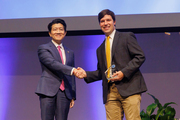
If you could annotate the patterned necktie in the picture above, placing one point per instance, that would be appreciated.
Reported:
(62, 87)
(108, 56)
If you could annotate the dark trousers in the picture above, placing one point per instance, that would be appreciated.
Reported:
(54, 107)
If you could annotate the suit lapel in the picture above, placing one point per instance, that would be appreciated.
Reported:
(115, 41)
(103, 51)
(66, 54)
(55, 51)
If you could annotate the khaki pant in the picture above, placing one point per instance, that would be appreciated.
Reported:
(117, 106)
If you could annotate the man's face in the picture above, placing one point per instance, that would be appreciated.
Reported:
(107, 24)
(57, 33)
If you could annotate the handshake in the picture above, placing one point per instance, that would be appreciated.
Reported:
(79, 73)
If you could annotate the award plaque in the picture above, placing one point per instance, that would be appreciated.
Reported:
(106, 72)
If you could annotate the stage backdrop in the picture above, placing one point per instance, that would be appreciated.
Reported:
(20, 71)
(33, 16)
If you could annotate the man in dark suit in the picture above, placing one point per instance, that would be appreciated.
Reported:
(56, 88)
(122, 92)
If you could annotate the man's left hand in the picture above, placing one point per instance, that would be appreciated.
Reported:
(71, 103)
(117, 76)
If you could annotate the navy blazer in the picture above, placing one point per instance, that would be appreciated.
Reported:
(53, 71)
(127, 56)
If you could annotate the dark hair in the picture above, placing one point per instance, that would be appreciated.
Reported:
(56, 21)
(106, 12)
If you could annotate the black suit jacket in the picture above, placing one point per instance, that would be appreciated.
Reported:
(127, 57)
(53, 71)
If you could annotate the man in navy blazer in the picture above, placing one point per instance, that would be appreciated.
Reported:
(56, 88)
(122, 93)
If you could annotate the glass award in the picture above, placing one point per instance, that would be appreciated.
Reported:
(106, 72)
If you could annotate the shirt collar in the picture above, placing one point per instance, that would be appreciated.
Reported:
(112, 34)
(57, 44)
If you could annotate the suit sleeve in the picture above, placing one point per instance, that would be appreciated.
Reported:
(136, 54)
(92, 76)
(73, 83)
(46, 58)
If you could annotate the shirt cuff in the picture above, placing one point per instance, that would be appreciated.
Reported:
(72, 71)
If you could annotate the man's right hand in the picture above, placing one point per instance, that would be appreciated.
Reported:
(80, 73)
